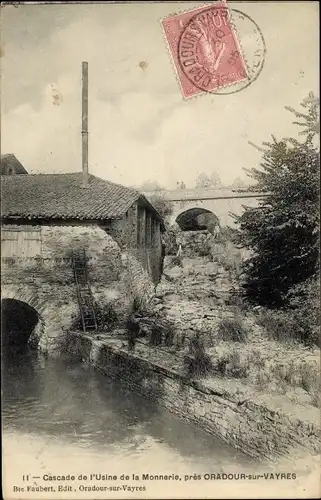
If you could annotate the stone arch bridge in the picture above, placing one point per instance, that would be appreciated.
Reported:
(194, 208)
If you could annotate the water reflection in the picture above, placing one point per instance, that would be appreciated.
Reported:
(70, 402)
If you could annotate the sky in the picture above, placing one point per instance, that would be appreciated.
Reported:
(140, 127)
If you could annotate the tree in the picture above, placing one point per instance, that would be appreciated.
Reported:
(150, 186)
(206, 181)
(215, 180)
(282, 231)
(310, 121)
(162, 205)
(157, 199)
(238, 183)
(203, 181)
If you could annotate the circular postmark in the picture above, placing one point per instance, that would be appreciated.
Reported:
(221, 50)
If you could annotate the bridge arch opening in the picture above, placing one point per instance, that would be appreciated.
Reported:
(18, 322)
(197, 219)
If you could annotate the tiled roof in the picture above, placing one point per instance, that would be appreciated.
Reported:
(61, 196)
(10, 161)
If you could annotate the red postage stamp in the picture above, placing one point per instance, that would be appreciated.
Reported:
(205, 49)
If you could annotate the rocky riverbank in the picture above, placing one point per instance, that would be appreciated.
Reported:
(198, 295)
(259, 394)
(256, 424)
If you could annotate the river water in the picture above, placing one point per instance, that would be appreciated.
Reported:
(62, 417)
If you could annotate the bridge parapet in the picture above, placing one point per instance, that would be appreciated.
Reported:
(203, 194)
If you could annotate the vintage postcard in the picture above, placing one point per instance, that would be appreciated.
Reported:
(160, 285)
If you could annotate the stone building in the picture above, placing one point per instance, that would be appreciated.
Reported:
(46, 218)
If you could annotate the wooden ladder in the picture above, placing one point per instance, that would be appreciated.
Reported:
(84, 295)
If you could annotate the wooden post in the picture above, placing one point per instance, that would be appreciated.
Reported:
(84, 130)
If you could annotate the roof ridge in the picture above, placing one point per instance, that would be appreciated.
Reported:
(79, 173)
(116, 184)
(5, 155)
(45, 174)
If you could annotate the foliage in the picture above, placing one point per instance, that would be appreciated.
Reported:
(70, 344)
(106, 317)
(230, 364)
(238, 183)
(137, 304)
(169, 333)
(170, 240)
(208, 181)
(133, 330)
(287, 326)
(150, 186)
(301, 321)
(232, 329)
(226, 234)
(197, 362)
(198, 243)
(157, 198)
(156, 335)
(205, 250)
(297, 374)
(176, 261)
(282, 231)
(310, 121)
(162, 332)
(163, 206)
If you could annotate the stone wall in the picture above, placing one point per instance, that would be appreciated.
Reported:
(257, 429)
(47, 282)
(55, 305)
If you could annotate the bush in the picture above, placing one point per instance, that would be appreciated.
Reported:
(231, 365)
(309, 377)
(287, 326)
(236, 299)
(298, 374)
(197, 363)
(162, 332)
(232, 329)
(71, 345)
(133, 329)
(137, 304)
(236, 368)
(106, 316)
(169, 334)
(177, 261)
(304, 305)
(198, 243)
(156, 334)
(206, 250)
(162, 205)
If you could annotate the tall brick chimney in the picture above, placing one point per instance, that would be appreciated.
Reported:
(84, 128)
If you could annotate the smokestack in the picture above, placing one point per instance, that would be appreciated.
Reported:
(84, 129)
